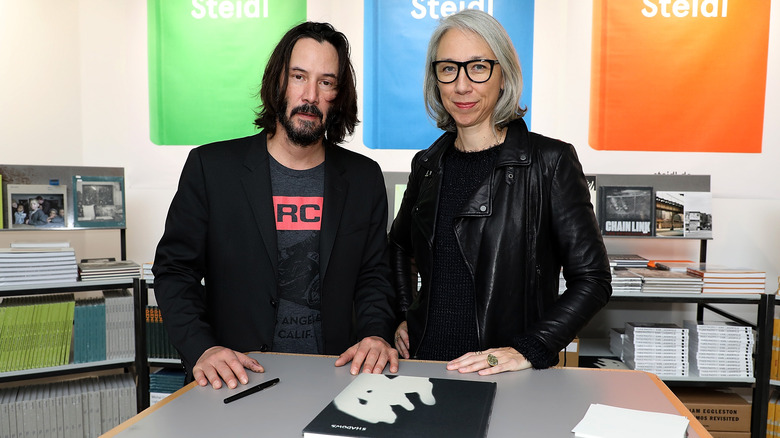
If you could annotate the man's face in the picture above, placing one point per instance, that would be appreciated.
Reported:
(311, 87)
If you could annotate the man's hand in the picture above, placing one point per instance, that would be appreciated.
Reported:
(219, 363)
(372, 353)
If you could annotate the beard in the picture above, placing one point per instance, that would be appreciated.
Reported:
(308, 132)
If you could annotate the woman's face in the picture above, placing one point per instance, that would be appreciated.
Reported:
(470, 104)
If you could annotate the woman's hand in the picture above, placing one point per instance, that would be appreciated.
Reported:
(402, 340)
(503, 359)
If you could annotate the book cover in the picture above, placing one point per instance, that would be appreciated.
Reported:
(656, 65)
(626, 211)
(683, 214)
(378, 405)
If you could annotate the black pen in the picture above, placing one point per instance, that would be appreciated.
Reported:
(252, 390)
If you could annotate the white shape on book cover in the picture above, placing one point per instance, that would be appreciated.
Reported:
(378, 405)
(372, 400)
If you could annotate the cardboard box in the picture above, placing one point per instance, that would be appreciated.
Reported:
(570, 357)
(716, 434)
(717, 410)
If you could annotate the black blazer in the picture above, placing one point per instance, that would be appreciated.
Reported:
(220, 229)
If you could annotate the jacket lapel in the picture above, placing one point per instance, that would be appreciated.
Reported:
(335, 195)
(257, 186)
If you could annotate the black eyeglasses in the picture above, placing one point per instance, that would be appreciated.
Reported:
(477, 70)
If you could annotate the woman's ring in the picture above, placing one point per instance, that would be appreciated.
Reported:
(492, 360)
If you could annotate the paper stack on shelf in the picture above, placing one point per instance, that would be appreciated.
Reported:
(625, 281)
(723, 279)
(721, 349)
(21, 266)
(657, 348)
(109, 270)
(662, 281)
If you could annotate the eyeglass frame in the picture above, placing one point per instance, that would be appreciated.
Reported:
(463, 64)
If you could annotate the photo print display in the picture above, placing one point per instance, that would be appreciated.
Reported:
(626, 211)
(37, 206)
(99, 201)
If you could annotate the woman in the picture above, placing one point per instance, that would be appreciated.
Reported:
(490, 215)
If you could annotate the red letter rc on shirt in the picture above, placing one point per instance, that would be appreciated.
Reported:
(298, 212)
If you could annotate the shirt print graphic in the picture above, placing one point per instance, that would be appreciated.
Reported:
(299, 213)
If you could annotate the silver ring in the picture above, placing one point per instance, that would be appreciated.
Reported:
(492, 360)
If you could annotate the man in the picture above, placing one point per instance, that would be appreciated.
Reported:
(285, 229)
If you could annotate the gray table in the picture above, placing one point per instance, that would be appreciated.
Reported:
(531, 403)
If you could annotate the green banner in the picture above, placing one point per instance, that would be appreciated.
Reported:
(206, 61)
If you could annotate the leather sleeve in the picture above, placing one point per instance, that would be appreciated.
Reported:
(400, 249)
(578, 245)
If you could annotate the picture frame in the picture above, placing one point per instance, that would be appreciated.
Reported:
(98, 201)
(34, 200)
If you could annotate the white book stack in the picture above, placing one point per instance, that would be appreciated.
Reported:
(663, 281)
(147, 274)
(729, 280)
(721, 349)
(625, 281)
(617, 342)
(657, 348)
(22, 265)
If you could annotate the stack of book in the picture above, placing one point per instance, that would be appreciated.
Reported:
(625, 281)
(35, 331)
(663, 281)
(723, 279)
(657, 348)
(21, 266)
(721, 349)
(163, 383)
(109, 270)
(147, 273)
(627, 261)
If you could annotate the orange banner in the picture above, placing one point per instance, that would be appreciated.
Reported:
(679, 75)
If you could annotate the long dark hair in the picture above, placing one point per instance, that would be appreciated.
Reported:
(343, 113)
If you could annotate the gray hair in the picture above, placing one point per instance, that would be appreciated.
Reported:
(483, 24)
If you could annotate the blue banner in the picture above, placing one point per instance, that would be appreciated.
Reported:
(396, 39)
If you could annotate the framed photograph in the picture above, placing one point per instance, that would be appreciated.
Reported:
(99, 201)
(37, 206)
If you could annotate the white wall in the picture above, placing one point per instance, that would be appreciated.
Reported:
(73, 91)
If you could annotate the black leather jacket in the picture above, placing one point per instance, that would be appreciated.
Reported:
(530, 218)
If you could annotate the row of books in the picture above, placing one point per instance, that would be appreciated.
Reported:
(163, 383)
(53, 330)
(158, 345)
(708, 349)
(82, 408)
(35, 331)
(632, 273)
(774, 369)
(773, 414)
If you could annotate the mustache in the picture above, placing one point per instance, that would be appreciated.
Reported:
(308, 109)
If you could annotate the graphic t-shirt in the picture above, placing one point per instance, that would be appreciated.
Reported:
(297, 197)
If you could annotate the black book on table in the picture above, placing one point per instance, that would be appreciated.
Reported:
(379, 405)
